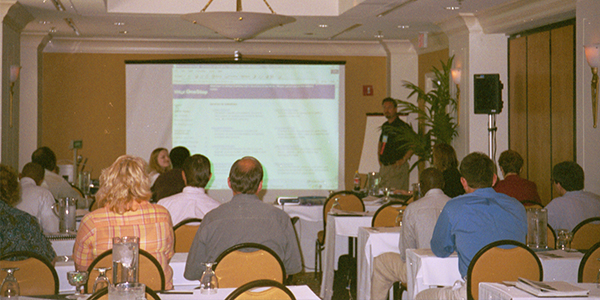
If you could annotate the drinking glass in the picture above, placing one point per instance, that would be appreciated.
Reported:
(563, 239)
(208, 281)
(126, 259)
(398, 220)
(336, 204)
(77, 279)
(101, 281)
(127, 291)
(10, 286)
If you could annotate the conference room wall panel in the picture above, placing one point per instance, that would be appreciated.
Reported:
(83, 98)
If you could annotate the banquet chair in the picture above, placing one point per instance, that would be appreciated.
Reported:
(36, 275)
(275, 290)
(551, 237)
(236, 266)
(495, 264)
(531, 204)
(102, 294)
(184, 234)
(386, 215)
(348, 201)
(589, 267)
(151, 273)
(586, 234)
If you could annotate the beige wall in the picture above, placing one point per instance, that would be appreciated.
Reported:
(83, 97)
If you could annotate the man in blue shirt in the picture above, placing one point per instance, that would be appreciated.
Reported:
(471, 221)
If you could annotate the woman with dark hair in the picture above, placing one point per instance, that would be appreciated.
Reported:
(444, 159)
(19, 231)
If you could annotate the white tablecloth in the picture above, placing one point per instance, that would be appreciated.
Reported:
(301, 292)
(177, 263)
(498, 291)
(311, 222)
(372, 242)
(424, 269)
(339, 228)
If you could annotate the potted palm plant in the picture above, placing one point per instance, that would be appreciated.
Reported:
(434, 113)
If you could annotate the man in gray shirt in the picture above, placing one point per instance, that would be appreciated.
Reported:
(244, 219)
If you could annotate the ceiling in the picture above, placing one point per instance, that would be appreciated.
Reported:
(341, 20)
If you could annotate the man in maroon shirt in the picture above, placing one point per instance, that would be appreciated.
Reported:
(511, 164)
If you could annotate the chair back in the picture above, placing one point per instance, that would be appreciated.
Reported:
(236, 266)
(36, 275)
(185, 231)
(495, 264)
(102, 294)
(275, 290)
(586, 234)
(348, 201)
(589, 265)
(387, 214)
(551, 237)
(151, 273)
(531, 204)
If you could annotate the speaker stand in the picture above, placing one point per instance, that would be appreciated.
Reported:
(492, 136)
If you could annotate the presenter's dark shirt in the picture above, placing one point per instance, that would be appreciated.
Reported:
(453, 186)
(392, 151)
(167, 184)
(518, 188)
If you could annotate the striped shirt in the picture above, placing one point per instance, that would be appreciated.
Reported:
(150, 222)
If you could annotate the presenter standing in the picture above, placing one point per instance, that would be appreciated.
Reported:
(393, 154)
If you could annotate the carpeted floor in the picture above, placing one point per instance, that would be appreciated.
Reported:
(308, 279)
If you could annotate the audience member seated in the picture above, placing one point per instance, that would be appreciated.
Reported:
(573, 204)
(418, 222)
(192, 202)
(57, 185)
(159, 163)
(244, 219)
(171, 182)
(511, 165)
(36, 200)
(471, 221)
(444, 159)
(19, 231)
(125, 211)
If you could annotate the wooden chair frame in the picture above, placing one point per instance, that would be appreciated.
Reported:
(101, 259)
(583, 227)
(499, 266)
(4, 259)
(589, 267)
(382, 212)
(247, 246)
(320, 242)
(259, 283)
(182, 228)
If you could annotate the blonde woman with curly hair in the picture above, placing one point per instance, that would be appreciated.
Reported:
(125, 211)
(159, 163)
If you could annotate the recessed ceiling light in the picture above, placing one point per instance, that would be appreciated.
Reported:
(119, 23)
(403, 26)
(123, 32)
(379, 35)
(323, 25)
(452, 7)
(52, 30)
(44, 22)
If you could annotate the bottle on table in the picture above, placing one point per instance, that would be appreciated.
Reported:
(356, 181)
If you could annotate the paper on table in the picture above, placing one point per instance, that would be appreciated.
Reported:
(551, 288)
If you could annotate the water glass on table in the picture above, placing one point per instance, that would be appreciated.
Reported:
(77, 279)
(101, 281)
(208, 282)
(127, 291)
(563, 239)
(10, 286)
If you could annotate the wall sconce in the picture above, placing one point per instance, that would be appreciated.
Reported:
(592, 54)
(14, 76)
(456, 79)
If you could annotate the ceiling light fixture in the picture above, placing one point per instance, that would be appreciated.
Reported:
(452, 7)
(59, 6)
(72, 25)
(379, 35)
(238, 25)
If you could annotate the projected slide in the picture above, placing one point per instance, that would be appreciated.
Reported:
(290, 117)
